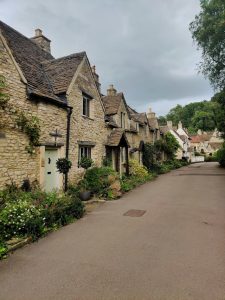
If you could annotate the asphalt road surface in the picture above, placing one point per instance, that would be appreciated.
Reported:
(175, 250)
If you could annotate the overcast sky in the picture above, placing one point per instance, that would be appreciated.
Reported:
(143, 47)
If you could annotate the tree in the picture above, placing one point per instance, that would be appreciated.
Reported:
(208, 31)
(203, 120)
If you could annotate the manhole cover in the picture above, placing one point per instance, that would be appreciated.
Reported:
(135, 213)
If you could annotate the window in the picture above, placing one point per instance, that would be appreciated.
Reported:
(86, 106)
(85, 151)
(122, 120)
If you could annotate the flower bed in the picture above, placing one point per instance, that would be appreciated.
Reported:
(33, 214)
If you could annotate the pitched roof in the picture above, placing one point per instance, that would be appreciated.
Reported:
(46, 76)
(141, 118)
(61, 71)
(115, 137)
(112, 103)
(200, 138)
(153, 123)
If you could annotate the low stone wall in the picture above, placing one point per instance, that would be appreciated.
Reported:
(195, 159)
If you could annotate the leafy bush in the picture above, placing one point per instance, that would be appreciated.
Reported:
(136, 169)
(98, 180)
(63, 165)
(60, 210)
(3, 250)
(33, 213)
(130, 182)
(221, 156)
(85, 162)
(21, 218)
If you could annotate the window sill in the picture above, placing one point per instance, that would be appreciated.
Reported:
(86, 117)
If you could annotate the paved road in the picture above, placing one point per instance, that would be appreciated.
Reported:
(176, 250)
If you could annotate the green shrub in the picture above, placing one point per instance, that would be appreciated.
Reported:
(136, 169)
(85, 162)
(34, 213)
(221, 156)
(3, 250)
(97, 179)
(60, 209)
(21, 218)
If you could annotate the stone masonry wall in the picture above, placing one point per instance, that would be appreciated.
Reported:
(16, 164)
(84, 128)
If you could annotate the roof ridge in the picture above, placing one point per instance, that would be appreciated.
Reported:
(63, 57)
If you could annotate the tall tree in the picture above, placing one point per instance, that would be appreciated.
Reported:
(208, 31)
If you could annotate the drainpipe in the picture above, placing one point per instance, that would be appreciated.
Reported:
(69, 113)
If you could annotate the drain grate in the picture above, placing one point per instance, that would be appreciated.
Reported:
(135, 213)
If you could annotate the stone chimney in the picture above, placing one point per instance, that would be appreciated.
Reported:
(180, 125)
(111, 91)
(41, 40)
(150, 114)
(96, 78)
(170, 124)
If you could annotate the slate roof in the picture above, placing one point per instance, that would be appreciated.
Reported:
(153, 123)
(46, 76)
(115, 137)
(61, 71)
(164, 129)
(112, 103)
(111, 122)
(141, 118)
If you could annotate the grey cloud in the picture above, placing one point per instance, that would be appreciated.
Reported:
(144, 47)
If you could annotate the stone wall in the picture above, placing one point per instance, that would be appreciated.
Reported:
(86, 129)
(16, 164)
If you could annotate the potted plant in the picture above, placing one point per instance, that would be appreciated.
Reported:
(63, 166)
(85, 194)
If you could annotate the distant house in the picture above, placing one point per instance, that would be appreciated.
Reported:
(206, 142)
(182, 138)
(64, 94)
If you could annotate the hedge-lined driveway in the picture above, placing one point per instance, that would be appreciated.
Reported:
(170, 246)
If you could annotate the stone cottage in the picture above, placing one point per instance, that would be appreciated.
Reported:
(182, 137)
(127, 129)
(62, 95)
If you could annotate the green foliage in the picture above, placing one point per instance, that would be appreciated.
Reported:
(21, 218)
(3, 250)
(137, 170)
(98, 180)
(63, 165)
(31, 127)
(34, 213)
(170, 145)
(219, 99)
(208, 31)
(149, 156)
(107, 162)
(198, 115)
(221, 156)
(4, 97)
(130, 182)
(85, 162)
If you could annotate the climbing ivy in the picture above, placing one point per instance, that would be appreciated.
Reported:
(30, 125)
(4, 97)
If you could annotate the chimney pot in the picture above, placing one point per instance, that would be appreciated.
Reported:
(38, 32)
(41, 40)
